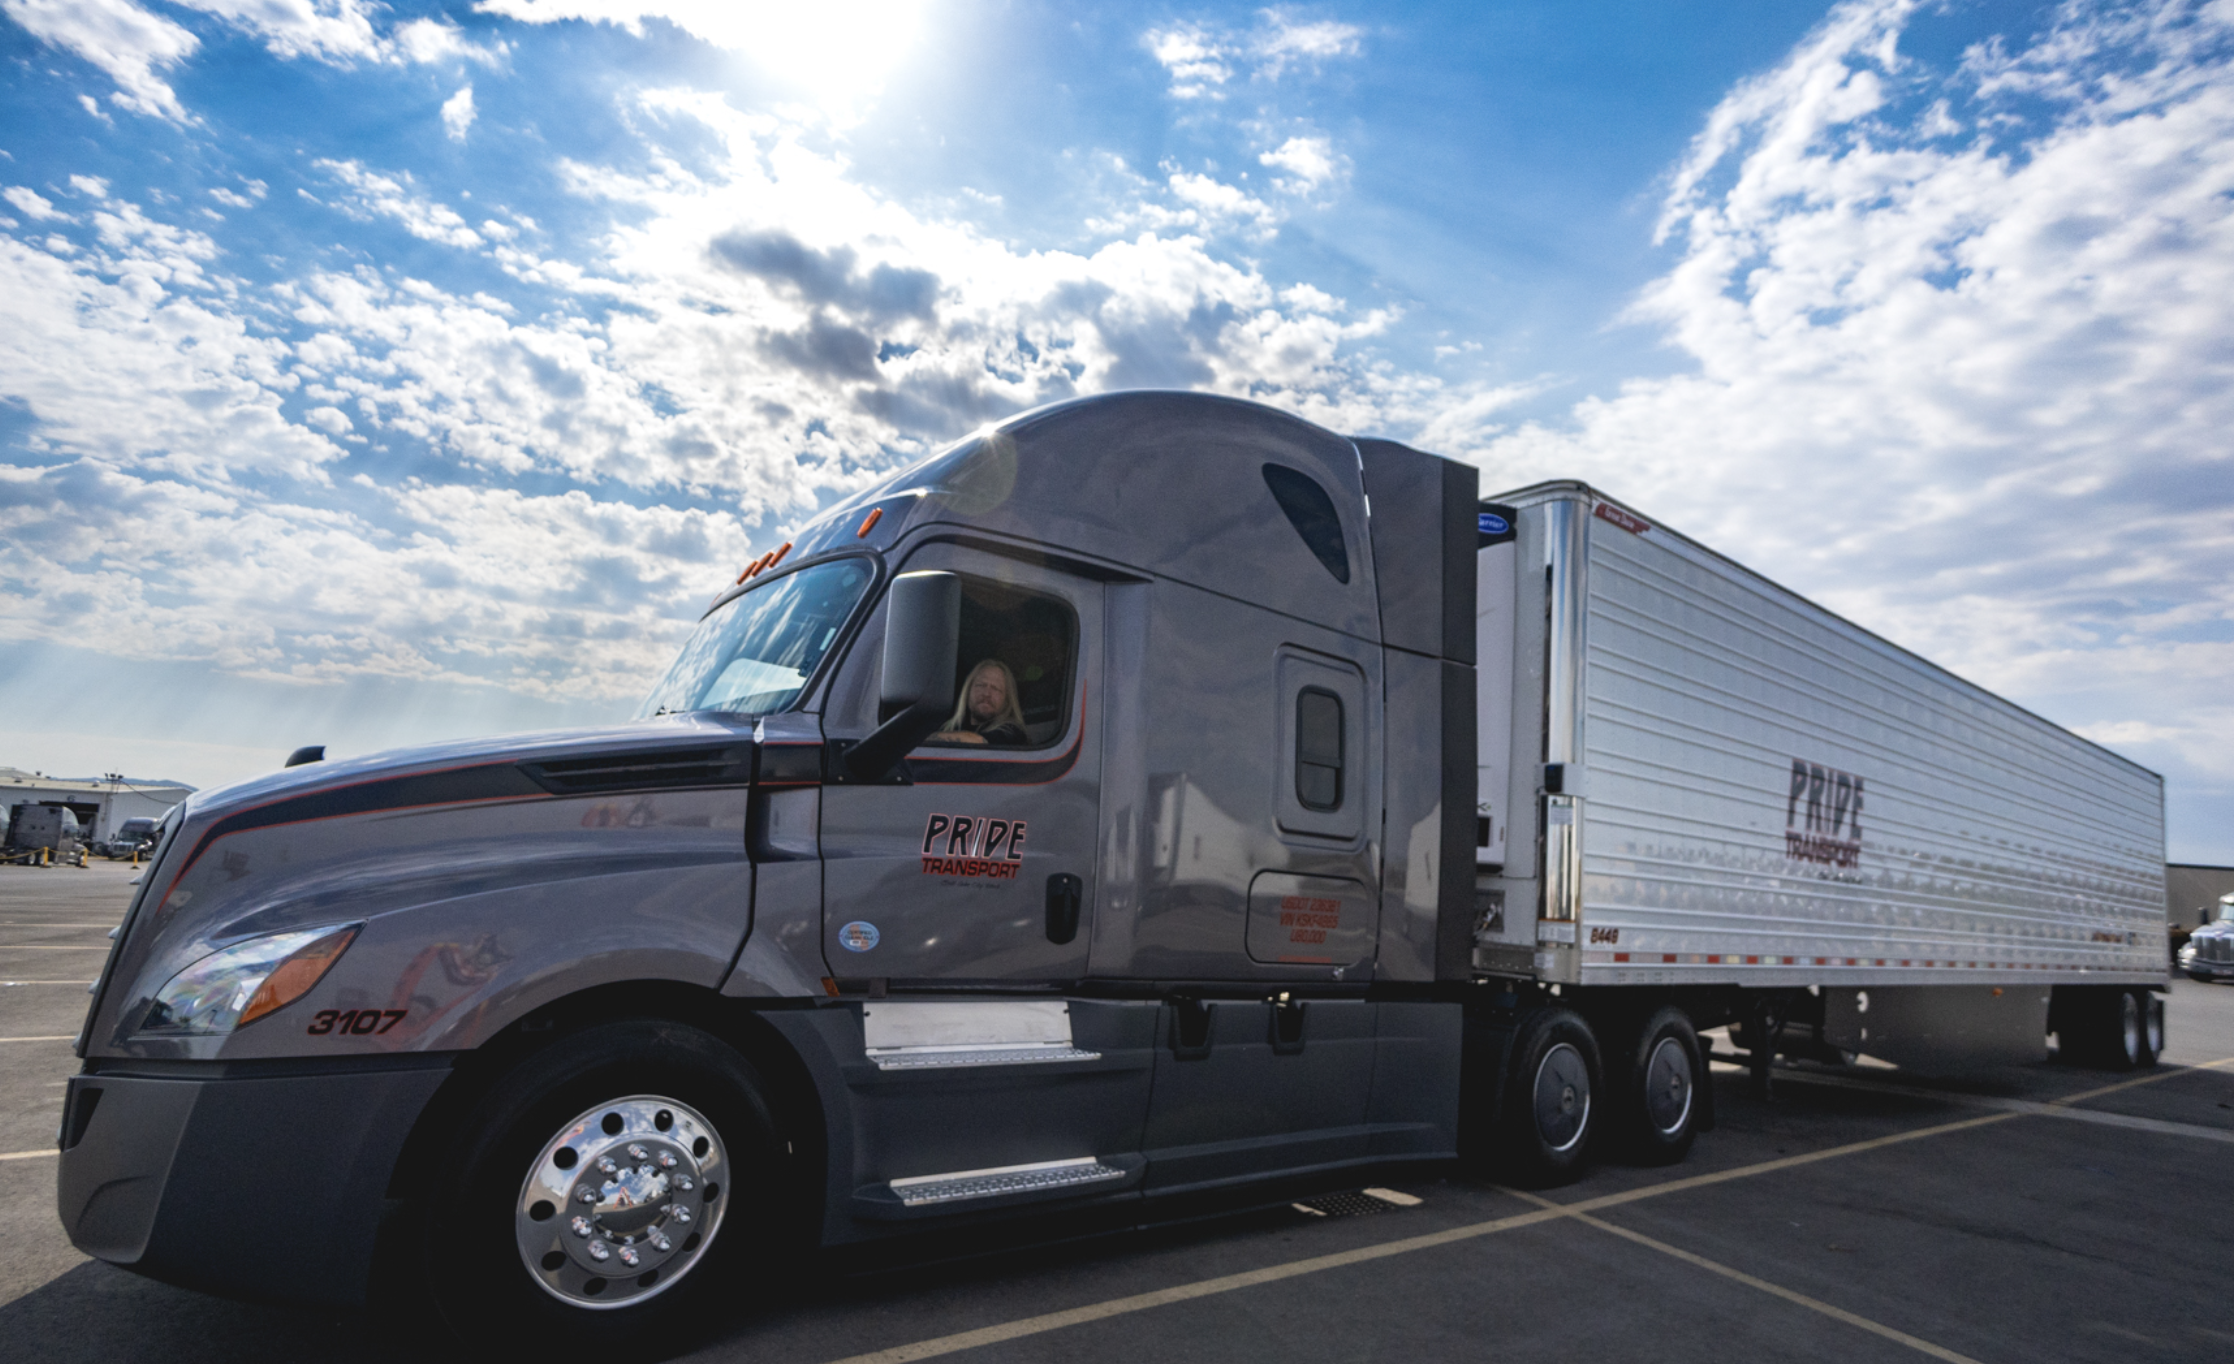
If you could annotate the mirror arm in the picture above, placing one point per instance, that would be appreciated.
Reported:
(875, 756)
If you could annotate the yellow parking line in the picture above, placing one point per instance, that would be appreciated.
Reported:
(1774, 1290)
(2149, 1079)
(1116, 1307)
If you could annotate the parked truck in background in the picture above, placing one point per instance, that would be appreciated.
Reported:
(1150, 794)
(44, 830)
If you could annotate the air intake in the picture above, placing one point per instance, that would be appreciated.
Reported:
(663, 769)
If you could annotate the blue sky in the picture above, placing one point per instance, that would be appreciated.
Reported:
(385, 372)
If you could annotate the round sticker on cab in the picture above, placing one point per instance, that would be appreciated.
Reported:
(858, 936)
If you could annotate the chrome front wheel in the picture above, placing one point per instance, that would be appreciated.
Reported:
(622, 1202)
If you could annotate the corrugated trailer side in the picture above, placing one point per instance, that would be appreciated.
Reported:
(1769, 795)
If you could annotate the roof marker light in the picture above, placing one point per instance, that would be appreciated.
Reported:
(869, 523)
(777, 558)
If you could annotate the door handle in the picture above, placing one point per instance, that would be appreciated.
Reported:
(1065, 894)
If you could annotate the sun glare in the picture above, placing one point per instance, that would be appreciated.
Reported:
(837, 53)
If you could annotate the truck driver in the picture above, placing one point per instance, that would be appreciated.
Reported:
(987, 712)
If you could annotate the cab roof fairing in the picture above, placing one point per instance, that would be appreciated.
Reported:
(1168, 483)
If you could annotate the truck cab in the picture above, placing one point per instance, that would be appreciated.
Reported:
(1082, 815)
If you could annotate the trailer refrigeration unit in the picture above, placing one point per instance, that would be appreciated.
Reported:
(1152, 794)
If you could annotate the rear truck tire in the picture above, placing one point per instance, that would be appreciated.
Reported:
(1659, 1111)
(608, 1192)
(2152, 1026)
(2126, 1041)
(1550, 1111)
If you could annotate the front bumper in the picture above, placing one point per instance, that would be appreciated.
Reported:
(251, 1181)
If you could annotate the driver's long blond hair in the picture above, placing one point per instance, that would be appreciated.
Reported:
(1011, 714)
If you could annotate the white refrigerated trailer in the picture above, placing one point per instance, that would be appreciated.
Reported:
(1707, 781)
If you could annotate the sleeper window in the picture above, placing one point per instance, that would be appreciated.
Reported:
(1318, 749)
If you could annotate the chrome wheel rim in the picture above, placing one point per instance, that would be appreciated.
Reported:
(1667, 1087)
(2129, 1022)
(2153, 1016)
(1562, 1098)
(622, 1202)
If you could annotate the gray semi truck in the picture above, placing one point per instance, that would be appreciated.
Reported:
(1151, 794)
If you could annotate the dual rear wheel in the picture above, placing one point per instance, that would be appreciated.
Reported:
(1561, 1090)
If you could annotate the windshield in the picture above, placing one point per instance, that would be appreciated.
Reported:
(755, 654)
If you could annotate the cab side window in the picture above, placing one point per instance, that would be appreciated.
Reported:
(1016, 667)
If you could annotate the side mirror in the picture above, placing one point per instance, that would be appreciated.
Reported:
(922, 630)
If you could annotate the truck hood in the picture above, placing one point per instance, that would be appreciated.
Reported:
(346, 841)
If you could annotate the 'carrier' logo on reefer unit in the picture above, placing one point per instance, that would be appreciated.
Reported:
(1823, 815)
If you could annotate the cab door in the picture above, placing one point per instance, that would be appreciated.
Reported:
(974, 862)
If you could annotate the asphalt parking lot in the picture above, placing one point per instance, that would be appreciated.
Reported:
(2042, 1212)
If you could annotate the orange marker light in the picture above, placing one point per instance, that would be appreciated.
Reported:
(876, 514)
(292, 978)
(786, 549)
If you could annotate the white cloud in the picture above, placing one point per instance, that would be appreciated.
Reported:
(120, 38)
(428, 41)
(1312, 164)
(31, 204)
(1202, 58)
(458, 113)
(1283, 41)
(377, 195)
(1974, 393)
(1199, 63)
(328, 30)
(231, 198)
(132, 43)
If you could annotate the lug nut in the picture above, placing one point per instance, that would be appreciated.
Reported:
(581, 1226)
(683, 1182)
(667, 1160)
(681, 1216)
(585, 1194)
(599, 1253)
(629, 1256)
(660, 1242)
(637, 1152)
(606, 1164)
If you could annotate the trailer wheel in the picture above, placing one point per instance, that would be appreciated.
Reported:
(1660, 1100)
(2152, 1026)
(1549, 1112)
(605, 1193)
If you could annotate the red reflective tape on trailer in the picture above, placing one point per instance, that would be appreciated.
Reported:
(1621, 956)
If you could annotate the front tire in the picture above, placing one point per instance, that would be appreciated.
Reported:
(1549, 1114)
(645, 1140)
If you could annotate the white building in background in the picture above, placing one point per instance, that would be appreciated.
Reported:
(101, 804)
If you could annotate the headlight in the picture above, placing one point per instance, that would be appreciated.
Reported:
(235, 987)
